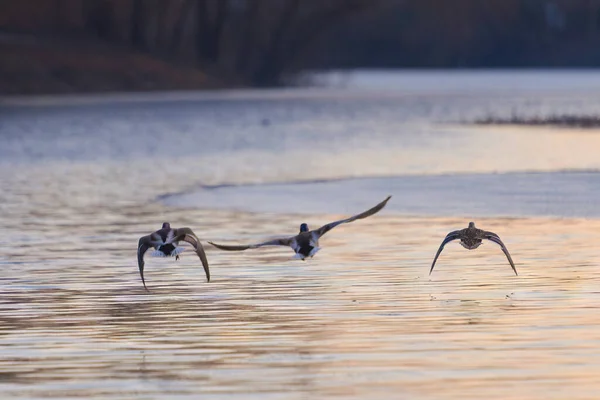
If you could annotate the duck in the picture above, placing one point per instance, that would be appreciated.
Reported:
(306, 243)
(165, 242)
(471, 238)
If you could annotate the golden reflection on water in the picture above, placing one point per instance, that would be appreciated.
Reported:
(361, 320)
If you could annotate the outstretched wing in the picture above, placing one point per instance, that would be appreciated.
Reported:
(143, 245)
(449, 237)
(326, 228)
(274, 242)
(496, 239)
(187, 235)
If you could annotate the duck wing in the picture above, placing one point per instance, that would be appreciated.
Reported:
(496, 239)
(143, 245)
(326, 228)
(187, 235)
(274, 242)
(449, 237)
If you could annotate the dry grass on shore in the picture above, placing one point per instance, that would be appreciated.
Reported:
(564, 120)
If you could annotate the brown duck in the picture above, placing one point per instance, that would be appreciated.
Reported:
(471, 238)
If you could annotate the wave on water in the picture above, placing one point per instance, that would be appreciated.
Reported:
(515, 194)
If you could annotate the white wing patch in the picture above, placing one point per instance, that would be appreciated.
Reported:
(175, 252)
(299, 256)
(170, 236)
(294, 245)
(314, 251)
(314, 240)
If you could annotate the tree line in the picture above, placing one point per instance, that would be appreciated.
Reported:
(252, 41)
(260, 42)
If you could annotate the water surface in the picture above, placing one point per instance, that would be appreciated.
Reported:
(83, 178)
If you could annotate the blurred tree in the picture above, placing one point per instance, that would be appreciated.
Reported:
(210, 20)
(137, 24)
(260, 42)
(99, 19)
(183, 15)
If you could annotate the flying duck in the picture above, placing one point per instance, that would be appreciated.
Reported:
(165, 242)
(471, 238)
(306, 243)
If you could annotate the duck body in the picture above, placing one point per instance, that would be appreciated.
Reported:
(305, 245)
(164, 243)
(471, 238)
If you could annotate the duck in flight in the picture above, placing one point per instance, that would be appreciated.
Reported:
(306, 243)
(165, 242)
(471, 238)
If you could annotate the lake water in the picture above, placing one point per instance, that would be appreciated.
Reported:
(82, 178)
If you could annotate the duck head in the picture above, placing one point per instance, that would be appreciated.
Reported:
(471, 225)
(303, 227)
(166, 225)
